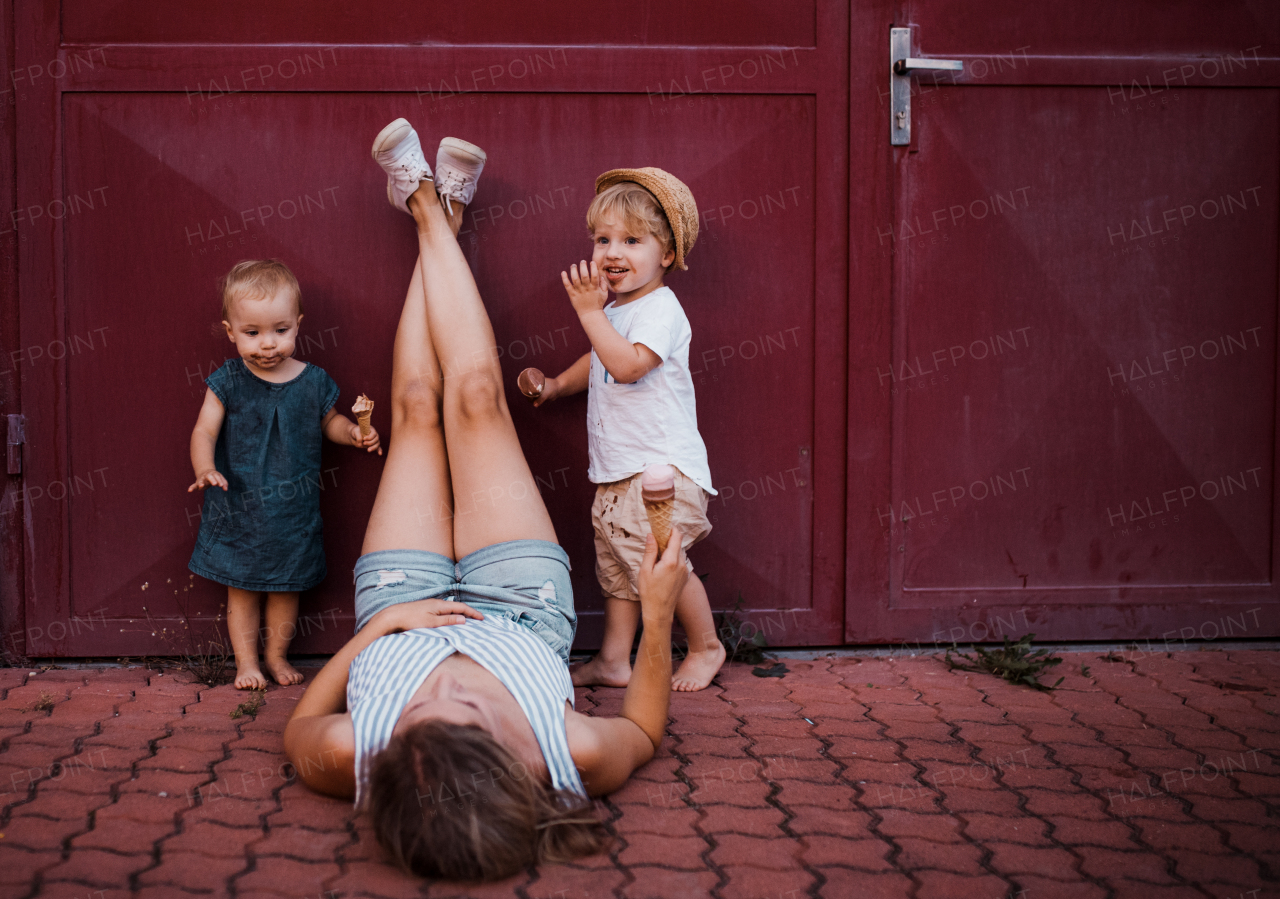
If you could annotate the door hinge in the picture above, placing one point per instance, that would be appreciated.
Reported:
(17, 437)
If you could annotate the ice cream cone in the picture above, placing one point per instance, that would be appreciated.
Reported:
(363, 410)
(658, 491)
(531, 381)
(660, 521)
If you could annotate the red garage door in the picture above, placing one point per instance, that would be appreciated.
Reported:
(159, 145)
(1063, 403)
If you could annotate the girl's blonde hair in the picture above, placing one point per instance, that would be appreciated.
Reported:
(258, 279)
(638, 209)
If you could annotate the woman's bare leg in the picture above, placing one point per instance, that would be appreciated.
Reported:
(414, 506)
(496, 498)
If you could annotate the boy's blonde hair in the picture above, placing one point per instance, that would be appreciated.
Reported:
(637, 208)
(258, 279)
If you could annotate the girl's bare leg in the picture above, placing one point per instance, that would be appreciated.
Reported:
(496, 498)
(611, 666)
(414, 506)
(282, 624)
(242, 627)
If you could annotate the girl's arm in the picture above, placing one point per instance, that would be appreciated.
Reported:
(627, 362)
(203, 440)
(340, 429)
(318, 739)
(570, 381)
(607, 750)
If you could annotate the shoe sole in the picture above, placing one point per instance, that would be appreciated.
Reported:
(391, 135)
(462, 148)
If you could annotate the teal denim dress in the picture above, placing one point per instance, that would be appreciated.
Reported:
(264, 532)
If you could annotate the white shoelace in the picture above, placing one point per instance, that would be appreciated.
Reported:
(452, 184)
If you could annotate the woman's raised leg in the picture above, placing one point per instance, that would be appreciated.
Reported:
(495, 496)
(414, 506)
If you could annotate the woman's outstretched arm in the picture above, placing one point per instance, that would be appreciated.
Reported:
(608, 750)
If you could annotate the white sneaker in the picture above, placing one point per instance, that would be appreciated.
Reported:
(458, 168)
(399, 152)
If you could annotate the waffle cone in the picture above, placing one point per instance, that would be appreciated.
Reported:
(660, 521)
(363, 421)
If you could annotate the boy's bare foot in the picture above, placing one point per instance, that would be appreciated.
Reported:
(698, 669)
(284, 673)
(250, 679)
(601, 673)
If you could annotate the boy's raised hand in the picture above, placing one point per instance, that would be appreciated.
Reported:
(209, 478)
(587, 288)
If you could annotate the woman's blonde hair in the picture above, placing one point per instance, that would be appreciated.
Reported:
(449, 801)
(637, 208)
(258, 279)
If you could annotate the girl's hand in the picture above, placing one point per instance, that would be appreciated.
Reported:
(373, 441)
(662, 579)
(587, 288)
(405, 616)
(209, 478)
(550, 390)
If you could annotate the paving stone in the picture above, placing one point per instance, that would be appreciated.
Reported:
(105, 870)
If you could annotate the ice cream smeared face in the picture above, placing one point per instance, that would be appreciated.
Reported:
(658, 483)
(363, 411)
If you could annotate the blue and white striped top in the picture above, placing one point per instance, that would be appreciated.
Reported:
(389, 671)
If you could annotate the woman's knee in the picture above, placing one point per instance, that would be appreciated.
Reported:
(417, 403)
(479, 397)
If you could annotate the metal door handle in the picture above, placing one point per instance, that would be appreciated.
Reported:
(906, 66)
(901, 66)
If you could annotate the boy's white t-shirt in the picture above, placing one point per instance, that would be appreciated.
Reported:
(655, 419)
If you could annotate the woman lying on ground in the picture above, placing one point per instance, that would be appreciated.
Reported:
(452, 723)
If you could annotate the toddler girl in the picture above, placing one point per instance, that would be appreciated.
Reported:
(258, 440)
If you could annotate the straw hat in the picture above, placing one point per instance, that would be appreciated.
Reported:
(672, 195)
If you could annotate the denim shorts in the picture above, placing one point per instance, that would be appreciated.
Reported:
(526, 581)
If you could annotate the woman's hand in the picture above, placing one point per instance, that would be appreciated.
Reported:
(662, 579)
(587, 288)
(405, 616)
(372, 441)
(209, 478)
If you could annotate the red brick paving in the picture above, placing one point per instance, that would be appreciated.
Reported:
(1153, 777)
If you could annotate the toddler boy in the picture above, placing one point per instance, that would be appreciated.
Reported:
(640, 407)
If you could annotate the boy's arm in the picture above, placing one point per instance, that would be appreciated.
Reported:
(573, 379)
(627, 362)
(204, 438)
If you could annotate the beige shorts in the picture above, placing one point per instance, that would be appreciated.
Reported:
(621, 527)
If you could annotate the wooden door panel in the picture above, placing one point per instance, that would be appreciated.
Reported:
(194, 181)
(1080, 369)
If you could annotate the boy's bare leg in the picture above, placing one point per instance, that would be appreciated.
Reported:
(612, 665)
(706, 652)
(242, 628)
(282, 624)
(495, 496)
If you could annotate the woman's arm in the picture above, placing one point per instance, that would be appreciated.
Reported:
(607, 750)
(318, 739)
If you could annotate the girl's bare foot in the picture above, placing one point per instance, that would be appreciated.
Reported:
(284, 673)
(601, 673)
(698, 669)
(250, 678)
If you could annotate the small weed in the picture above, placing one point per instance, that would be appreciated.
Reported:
(44, 703)
(1015, 662)
(740, 646)
(250, 706)
(205, 651)
(1084, 670)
